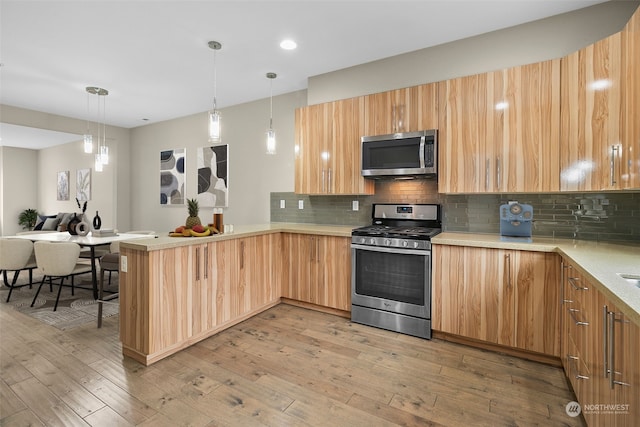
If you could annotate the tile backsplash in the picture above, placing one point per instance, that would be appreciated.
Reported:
(613, 216)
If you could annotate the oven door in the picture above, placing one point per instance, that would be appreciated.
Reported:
(391, 279)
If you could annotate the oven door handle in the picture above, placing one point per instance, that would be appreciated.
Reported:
(401, 251)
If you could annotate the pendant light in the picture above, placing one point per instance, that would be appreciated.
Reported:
(88, 138)
(102, 151)
(271, 134)
(214, 114)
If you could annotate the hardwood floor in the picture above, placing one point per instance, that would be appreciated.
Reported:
(285, 367)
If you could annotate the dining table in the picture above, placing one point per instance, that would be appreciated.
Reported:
(89, 241)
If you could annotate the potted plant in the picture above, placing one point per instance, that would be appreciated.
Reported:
(27, 219)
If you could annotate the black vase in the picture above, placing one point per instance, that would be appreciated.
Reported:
(71, 227)
(97, 222)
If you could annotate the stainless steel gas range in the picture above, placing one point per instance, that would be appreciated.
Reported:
(391, 268)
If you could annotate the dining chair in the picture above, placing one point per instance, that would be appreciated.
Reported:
(111, 262)
(58, 260)
(16, 255)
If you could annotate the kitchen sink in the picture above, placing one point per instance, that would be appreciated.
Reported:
(634, 279)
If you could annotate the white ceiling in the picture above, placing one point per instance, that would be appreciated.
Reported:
(153, 56)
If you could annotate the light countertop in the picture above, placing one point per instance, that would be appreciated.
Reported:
(598, 261)
(165, 242)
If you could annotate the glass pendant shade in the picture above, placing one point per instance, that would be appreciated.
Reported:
(88, 143)
(104, 154)
(98, 163)
(271, 141)
(214, 126)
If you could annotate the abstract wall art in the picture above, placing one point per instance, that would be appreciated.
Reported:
(172, 177)
(63, 185)
(213, 176)
(83, 184)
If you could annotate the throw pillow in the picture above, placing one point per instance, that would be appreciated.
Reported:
(41, 220)
(50, 224)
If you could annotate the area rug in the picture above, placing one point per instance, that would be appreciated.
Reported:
(73, 310)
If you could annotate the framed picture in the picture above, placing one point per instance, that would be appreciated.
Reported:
(172, 177)
(213, 176)
(63, 185)
(83, 184)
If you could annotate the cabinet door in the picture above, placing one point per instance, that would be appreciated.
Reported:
(472, 295)
(464, 128)
(622, 346)
(343, 149)
(300, 274)
(313, 129)
(600, 131)
(327, 156)
(203, 293)
(403, 110)
(526, 114)
(499, 130)
(630, 169)
(333, 266)
(537, 311)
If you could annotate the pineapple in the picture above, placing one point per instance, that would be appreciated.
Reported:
(193, 218)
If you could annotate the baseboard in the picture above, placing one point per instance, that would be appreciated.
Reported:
(523, 354)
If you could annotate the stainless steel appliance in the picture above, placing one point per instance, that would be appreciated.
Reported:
(411, 154)
(391, 268)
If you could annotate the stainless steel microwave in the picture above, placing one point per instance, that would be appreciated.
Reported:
(410, 154)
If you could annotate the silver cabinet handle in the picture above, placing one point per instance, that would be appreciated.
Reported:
(575, 359)
(197, 263)
(508, 259)
(612, 166)
(241, 255)
(487, 166)
(323, 187)
(330, 187)
(498, 180)
(605, 340)
(572, 312)
(612, 352)
(313, 247)
(572, 282)
(206, 262)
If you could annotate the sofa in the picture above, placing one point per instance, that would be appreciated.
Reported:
(57, 222)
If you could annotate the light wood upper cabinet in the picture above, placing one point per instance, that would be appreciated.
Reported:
(499, 131)
(327, 157)
(403, 110)
(319, 270)
(600, 147)
(499, 296)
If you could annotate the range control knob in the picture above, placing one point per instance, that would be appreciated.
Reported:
(387, 242)
(405, 243)
(363, 240)
(372, 241)
(416, 244)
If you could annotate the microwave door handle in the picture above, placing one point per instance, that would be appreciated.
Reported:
(422, 144)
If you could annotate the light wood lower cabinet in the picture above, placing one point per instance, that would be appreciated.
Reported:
(318, 270)
(172, 298)
(600, 353)
(504, 297)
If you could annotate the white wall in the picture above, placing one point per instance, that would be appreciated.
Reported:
(536, 41)
(110, 188)
(253, 174)
(19, 178)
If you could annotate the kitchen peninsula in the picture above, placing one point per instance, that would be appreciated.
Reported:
(178, 291)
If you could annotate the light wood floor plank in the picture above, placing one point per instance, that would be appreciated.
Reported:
(287, 366)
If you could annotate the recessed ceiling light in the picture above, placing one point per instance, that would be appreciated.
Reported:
(288, 44)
